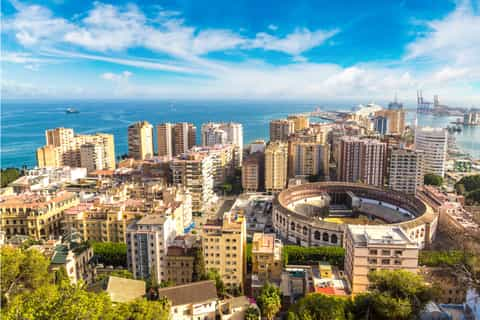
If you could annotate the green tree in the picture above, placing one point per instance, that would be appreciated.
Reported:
(470, 183)
(269, 301)
(142, 309)
(213, 274)
(460, 188)
(110, 253)
(432, 179)
(227, 188)
(252, 314)
(9, 175)
(473, 197)
(395, 294)
(305, 255)
(321, 307)
(199, 272)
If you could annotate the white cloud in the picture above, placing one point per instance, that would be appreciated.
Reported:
(124, 76)
(20, 57)
(295, 43)
(272, 27)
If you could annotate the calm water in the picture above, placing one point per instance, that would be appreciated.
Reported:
(23, 123)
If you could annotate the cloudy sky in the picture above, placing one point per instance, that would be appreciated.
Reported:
(312, 50)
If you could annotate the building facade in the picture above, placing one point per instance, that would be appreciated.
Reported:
(281, 129)
(147, 243)
(372, 248)
(362, 160)
(405, 169)
(276, 166)
(174, 139)
(308, 159)
(433, 142)
(266, 260)
(224, 133)
(64, 148)
(253, 172)
(140, 140)
(224, 248)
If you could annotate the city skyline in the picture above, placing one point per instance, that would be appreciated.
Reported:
(310, 50)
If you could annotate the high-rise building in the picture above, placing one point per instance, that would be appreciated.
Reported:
(433, 142)
(393, 120)
(223, 161)
(371, 248)
(253, 172)
(224, 133)
(175, 138)
(140, 140)
(258, 146)
(194, 171)
(63, 148)
(147, 243)
(308, 159)
(362, 160)
(380, 124)
(276, 165)
(405, 169)
(224, 244)
(281, 129)
(300, 122)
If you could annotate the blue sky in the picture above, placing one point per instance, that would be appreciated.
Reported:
(312, 50)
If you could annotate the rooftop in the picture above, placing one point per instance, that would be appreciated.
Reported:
(125, 290)
(191, 293)
(364, 235)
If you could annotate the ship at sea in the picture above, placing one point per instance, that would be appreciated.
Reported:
(72, 110)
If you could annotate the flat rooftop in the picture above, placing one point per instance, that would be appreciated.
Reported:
(365, 235)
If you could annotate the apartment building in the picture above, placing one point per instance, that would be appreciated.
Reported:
(281, 129)
(179, 264)
(195, 172)
(147, 245)
(224, 248)
(276, 165)
(266, 260)
(36, 216)
(224, 133)
(223, 161)
(140, 140)
(64, 148)
(393, 121)
(300, 122)
(308, 159)
(253, 172)
(371, 248)
(405, 169)
(362, 160)
(433, 142)
(174, 139)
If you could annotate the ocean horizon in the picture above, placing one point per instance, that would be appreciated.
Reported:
(23, 122)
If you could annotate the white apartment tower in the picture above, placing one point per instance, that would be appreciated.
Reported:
(147, 243)
(433, 142)
(224, 133)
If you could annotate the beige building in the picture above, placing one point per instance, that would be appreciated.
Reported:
(405, 169)
(75, 257)
(223, 161)
(433, 142)
(35, 216)
(308, 159)
(63, 148)
(300, 122)
(224, 133)
(175, 138)
(140, 140)
(193, 301)
(224, 248)
(266, 260)
(395, 120)
(281, 129)
(253, 172)
(179, 264)
(276, 165)
(362, 160)
(371, 248)
(195, 172)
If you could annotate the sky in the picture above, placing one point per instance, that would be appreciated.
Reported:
(243, 49)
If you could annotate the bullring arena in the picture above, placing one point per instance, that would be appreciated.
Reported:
(316, 214)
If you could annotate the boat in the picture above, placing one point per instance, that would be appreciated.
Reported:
(72, 110)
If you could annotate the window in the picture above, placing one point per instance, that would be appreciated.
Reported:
(398, 262)
(372, 261)
(334, 238)
(316, 235)
(385, 252)
(386, 261)
(398, 252)
(373, 252)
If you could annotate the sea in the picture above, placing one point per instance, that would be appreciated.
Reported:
(23, 123)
